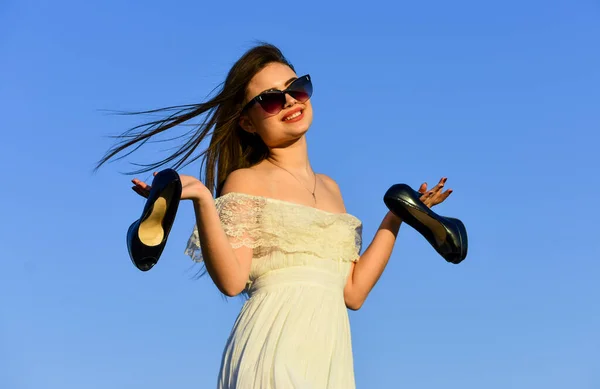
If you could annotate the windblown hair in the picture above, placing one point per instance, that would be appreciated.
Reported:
(230, 146)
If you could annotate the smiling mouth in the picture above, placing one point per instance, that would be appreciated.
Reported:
(293, 116)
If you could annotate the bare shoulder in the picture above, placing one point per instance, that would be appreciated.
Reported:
(246, 180)
(330, 184)
(334, 190)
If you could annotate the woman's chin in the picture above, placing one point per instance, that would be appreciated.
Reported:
(301, 126)
(298, 132)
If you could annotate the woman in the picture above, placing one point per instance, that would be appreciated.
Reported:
(269, 226)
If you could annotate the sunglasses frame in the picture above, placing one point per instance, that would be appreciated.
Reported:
(257, 99)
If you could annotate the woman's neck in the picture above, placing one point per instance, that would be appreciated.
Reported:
(293, 158)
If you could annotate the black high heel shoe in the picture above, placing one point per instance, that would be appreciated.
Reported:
(147, 236)
(447, 235)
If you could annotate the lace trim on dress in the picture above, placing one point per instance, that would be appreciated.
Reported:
(270, 224)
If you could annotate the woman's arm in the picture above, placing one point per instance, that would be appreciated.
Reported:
(366, 272)
(228, 268)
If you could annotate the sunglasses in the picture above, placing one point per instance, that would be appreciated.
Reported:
(272, 102)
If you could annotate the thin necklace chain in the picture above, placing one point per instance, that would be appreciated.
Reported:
(314, 187)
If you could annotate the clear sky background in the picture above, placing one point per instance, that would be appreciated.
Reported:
(503, 98)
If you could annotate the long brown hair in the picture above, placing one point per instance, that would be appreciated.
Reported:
(230, 146)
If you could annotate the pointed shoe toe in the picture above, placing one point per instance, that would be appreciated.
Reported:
(147, 236)
(447, 235)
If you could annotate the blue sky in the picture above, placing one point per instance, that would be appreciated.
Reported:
(502, 98)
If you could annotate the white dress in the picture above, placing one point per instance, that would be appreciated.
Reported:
(293, 331)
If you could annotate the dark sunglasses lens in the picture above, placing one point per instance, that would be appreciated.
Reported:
(272, 103)
(301, 90)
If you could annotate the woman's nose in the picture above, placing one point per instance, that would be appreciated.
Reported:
(289, 100)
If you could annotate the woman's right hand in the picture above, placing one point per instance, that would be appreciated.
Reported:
(191, 188)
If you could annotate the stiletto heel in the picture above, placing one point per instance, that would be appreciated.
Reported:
(147, 236)
(447, 235)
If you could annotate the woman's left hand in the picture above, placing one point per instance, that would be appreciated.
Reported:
(435, 195)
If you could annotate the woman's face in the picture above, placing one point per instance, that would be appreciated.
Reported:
(286, 126)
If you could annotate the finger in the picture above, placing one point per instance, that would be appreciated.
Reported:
(442, 197)
(446, 194)
(139, 182)
(142, 191)
(427, 198)
(144, 186)
(423, 188)
(431, 198)
(426, 195)
(139, 191)
(439, 186)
